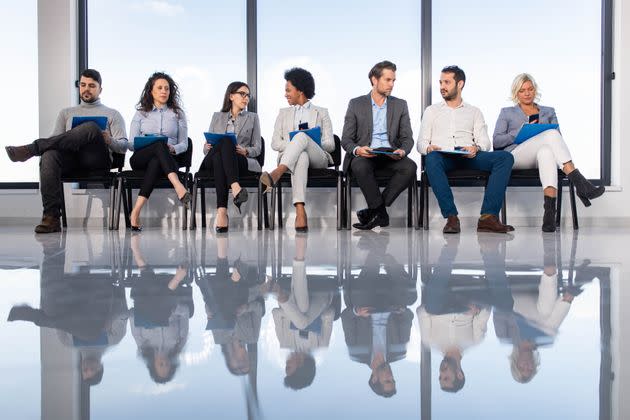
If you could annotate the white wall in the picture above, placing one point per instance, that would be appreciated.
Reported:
(57, 64)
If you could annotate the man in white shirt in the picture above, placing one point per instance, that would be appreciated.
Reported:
(455, 126)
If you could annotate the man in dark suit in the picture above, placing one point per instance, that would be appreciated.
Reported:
(378, 122)
(377, 321)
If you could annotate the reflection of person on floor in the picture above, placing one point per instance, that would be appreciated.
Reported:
(453, 321)
(88, 312)
(234, 308)
(376, 321)
(159, 318)
(303, 321)
(536, 317)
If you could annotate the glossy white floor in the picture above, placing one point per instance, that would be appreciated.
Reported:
(180, 324)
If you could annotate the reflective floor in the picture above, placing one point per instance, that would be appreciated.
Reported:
(397, 324)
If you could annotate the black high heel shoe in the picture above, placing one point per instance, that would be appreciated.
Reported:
(185, 200)
(136, 228)
(222, 229)
(240, 198)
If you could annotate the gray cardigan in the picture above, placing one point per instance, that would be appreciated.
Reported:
(510, 121)
(247, 130)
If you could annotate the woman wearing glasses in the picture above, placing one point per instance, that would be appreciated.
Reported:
(226, 160)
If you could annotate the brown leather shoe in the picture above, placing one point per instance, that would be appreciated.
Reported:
(49, 224)
(19, 153)
(452, 225)
(491, 223)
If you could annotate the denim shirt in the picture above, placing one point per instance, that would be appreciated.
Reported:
(379, 121)
(163, 121)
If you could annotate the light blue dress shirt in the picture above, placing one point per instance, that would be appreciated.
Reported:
(379, 125)
(163, 121)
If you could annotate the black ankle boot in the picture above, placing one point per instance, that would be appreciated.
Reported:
(583, 187)
(549, 218)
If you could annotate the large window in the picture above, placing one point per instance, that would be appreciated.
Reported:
(338, 42)
(200, 44)
(20, 90)
(559, 43)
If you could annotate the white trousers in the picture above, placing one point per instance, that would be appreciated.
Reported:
(300, 154)
(546, 151)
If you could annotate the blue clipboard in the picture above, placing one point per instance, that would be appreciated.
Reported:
(141, 142)
(214, 138)
(100, 121)
(530, 130)
(454, 152)
(314, 133)
(383, 151)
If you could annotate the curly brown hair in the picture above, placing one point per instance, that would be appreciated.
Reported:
(146, 98)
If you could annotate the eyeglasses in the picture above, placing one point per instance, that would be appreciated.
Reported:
(243, 94)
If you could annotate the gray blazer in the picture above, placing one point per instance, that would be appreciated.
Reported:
(247, 129)
(358, 125)
(510, 121)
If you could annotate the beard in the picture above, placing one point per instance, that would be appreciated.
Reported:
(449, 95)
(88, 99)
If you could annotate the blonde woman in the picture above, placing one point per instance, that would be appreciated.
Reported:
(546, 151)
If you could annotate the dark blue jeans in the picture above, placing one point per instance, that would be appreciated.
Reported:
(498, 163)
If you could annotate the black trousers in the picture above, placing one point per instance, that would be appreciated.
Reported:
(226, 165)
(80, 149)
(364, 170)
(156, 161)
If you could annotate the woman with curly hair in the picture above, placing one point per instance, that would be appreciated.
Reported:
(298, 153)
(159, 113)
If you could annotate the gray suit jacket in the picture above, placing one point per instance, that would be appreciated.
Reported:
(247, 130)
(510, 121)
(358, 125)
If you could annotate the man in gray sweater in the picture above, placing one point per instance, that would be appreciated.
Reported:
(83, 148)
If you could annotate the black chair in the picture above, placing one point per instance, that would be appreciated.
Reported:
(382, 177)
(132, 179)
(204, 179)
(531, 177)
(107, 178)
(456, 178)
(330, 177)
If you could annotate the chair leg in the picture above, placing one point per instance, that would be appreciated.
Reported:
(504, 210)
(348, 205)
(185, 218)
(573, 206)
(128, 206)
(119, 198)
(558, 202)
(112, 204)
(64, 218)
(421, 205)
(339, 192)
(425, 211)
(272, 211)
(203, 205)
(279, 191)
(409, 199)
(193, 207)
(414, 205)
(259, 208)
(265, 210)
